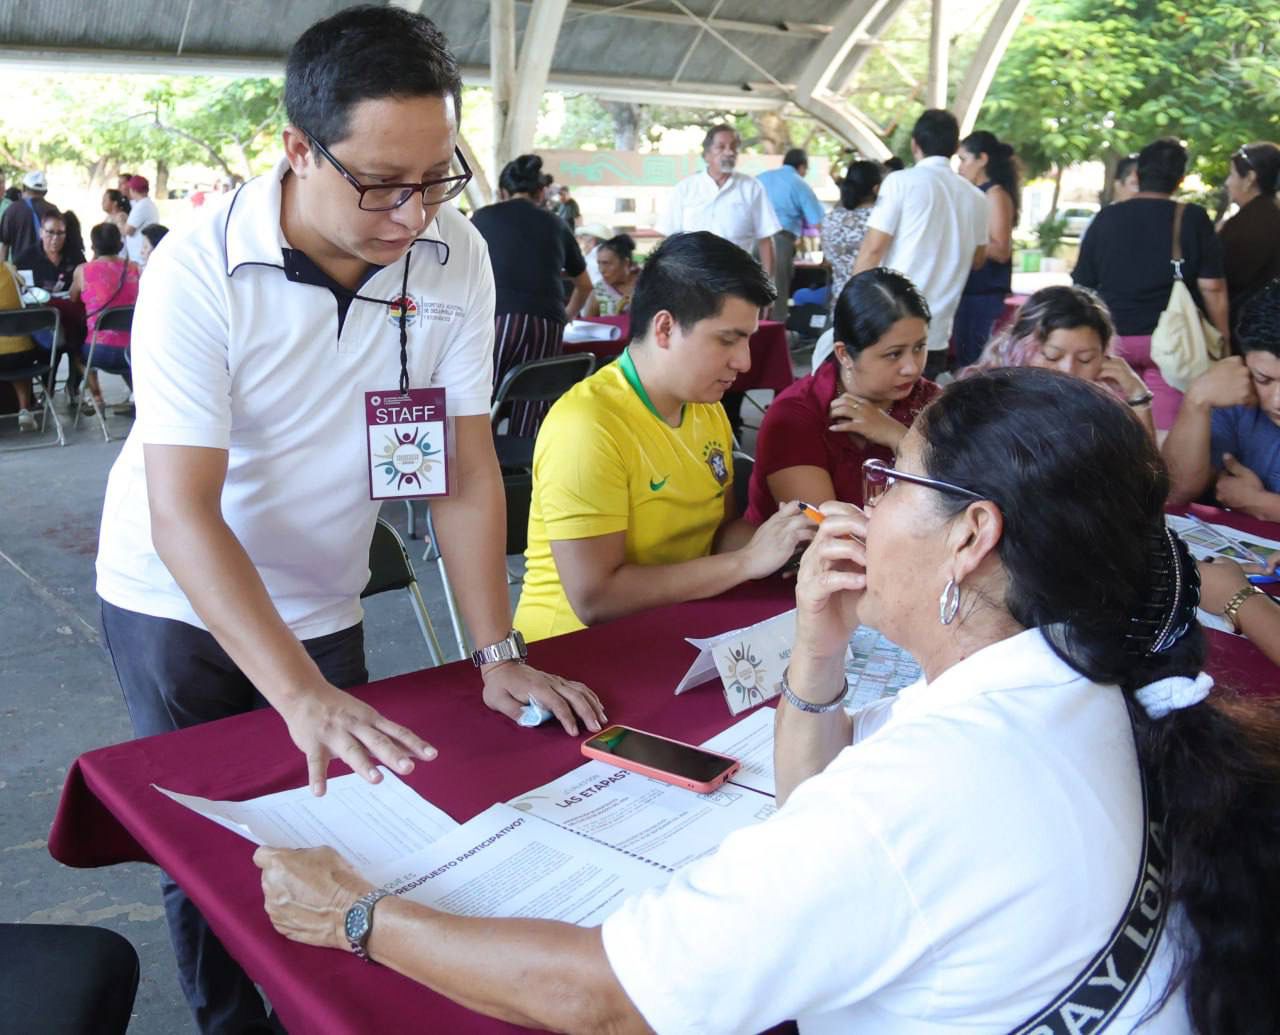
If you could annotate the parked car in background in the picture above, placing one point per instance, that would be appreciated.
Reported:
(1078, 216)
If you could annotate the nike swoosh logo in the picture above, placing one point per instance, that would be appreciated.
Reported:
(655, 486)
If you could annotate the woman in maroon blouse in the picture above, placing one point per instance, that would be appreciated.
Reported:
(857, 404)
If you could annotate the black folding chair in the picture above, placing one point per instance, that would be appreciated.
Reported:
(117, 318)
(517, 486)
(16, 322)
(539, 380)
(390, 568)
(59, 979)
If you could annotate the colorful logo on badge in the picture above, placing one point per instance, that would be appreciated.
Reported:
(406, 459)
(405, 304)
(715, 458)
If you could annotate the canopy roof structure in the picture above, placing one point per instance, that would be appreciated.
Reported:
(725, 54)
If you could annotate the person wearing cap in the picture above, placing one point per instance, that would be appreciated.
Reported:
(142, 213)
(238, 517)
(589, 237)
(20, 226)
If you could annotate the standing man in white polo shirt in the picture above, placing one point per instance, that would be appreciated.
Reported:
(730, 204)
(238, 518)
(931, 224)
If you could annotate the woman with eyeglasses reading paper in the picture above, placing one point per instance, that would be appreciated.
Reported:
(857, 403)
(1062, 818)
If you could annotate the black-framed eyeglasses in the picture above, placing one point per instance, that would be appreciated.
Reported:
(383, 197)
(878, 477)
(1243, 155)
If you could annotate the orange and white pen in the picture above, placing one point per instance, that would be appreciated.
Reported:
(811, 512)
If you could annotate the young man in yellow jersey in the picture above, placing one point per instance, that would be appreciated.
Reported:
(633, 503)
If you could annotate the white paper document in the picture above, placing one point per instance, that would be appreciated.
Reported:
(1205, 540)
(589, 330)
(506, 863)
(368, 824)
(750, 741)
(645, 818)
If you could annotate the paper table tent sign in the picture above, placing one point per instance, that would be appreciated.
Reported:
(750, 663)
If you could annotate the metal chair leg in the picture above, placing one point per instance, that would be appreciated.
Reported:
(424, 624)
(455, 617)
(411, 525)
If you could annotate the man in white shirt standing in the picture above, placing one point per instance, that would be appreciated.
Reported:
(931, 224)
(142, 213)
(238, 517)
(730, 204)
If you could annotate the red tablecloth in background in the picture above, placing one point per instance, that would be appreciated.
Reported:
(770, 354)
(109, 812)
(1012, 303)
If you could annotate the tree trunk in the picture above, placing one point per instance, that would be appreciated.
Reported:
(162, 179)
(775, 133)
(626, 124)
(1057, 189)
(1105, 196)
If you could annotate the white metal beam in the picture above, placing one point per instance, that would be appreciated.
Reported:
(479, 192)
(850, 27)
(862, 50)
(982, 69)
(939, 51)
(782, 27)
(541, 30)
(502, 69)
(847, 122)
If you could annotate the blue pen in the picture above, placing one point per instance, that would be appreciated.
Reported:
(1264, 580)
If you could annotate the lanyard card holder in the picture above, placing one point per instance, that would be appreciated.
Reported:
(409, 444)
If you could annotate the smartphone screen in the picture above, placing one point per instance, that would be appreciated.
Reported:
(657, 753)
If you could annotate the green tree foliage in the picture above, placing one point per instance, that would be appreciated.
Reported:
(1097, 79)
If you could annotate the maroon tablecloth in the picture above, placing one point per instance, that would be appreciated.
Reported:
(770, 354)
(109, 813)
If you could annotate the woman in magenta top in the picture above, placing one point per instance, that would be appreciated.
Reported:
(857, 404)
(108, 280)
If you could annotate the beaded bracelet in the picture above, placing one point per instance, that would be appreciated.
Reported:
(809, 706)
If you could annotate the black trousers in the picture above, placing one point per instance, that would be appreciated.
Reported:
(173, 676)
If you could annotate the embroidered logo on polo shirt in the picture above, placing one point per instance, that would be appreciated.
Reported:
(440, 312)
(656, 485)
(713, 454)
(406, 304)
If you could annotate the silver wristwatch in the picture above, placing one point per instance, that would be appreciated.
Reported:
(510, 648)
(358, 923)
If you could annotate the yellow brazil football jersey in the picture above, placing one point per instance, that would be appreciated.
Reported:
(606, 462)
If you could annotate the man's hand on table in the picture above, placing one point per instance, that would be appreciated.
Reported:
(326, 723)
(307, 892)
(508, 686)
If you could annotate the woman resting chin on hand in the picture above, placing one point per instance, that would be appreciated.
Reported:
(857, 404)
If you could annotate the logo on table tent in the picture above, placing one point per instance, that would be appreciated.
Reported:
(406, 304)
(714, 456)
(405, 458)
(746, 673)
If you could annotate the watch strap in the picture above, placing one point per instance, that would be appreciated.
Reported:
(510, 648)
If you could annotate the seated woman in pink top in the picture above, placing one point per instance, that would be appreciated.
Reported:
(856, 405)
(106, 281)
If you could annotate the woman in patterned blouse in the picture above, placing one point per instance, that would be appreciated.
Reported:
(846, 224)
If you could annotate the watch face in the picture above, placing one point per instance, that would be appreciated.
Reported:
(357, 923)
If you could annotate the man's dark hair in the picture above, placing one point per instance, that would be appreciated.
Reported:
(155, 233)
(106, 240)
(711, 134)
(1161, 165)
(361, 54)
(795, 158)
(690, 275)
(937, 133)
(1259, 326)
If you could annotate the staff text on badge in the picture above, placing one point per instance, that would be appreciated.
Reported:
(408, 443)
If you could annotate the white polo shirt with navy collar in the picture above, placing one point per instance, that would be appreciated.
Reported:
(232, 352)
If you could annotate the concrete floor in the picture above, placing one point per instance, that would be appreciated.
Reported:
(59, 696)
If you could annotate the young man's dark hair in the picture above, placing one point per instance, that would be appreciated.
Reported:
(1125, 166)
(689, 275)
(1258, 329)
(795, 158)
(937, 133)
(361, 54)
(1161, 165)
(106, 240)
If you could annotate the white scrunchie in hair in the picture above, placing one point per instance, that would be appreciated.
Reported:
(1168, 695)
